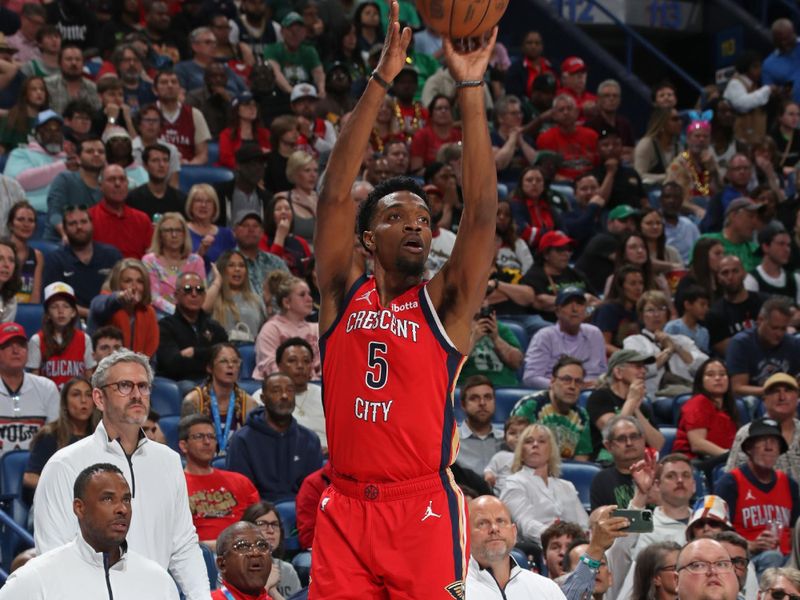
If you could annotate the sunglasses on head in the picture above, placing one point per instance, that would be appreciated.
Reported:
(187, 289)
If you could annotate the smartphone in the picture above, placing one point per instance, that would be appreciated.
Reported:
(641, 520)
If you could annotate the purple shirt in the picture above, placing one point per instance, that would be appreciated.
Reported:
(550, 343)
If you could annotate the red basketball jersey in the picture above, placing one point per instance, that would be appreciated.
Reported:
(388, 376)
(755, 509)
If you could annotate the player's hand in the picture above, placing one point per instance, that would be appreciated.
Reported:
(395, 46)
(470, 61)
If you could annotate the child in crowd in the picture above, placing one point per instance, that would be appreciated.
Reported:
(695, 307)
(499, 467)
(60, 350)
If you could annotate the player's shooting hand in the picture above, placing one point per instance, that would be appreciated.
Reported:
(470, 61)
(395, 45)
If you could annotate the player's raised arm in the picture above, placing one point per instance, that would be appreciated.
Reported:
(457, 290)
(335, 223)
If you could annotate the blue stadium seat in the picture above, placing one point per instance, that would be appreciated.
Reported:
(677, 404)
(519, 332)
(581, 475)
(669, 434)
(220, 462)
(251, 386)
(662, 410)
(248, 354)
(191, 175)
(700, 484)
(12, 467)
(716, 474)
(211, 565)
(521, 559)
(583, 399)
(506, 399)
(46, 247)
(169, 425)
(744, 411)
(165, 398)
(30, 317)
(288, 514)
(302, 566)
(213, 153)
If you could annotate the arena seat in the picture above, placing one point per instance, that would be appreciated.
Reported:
(716, 474)
(251, 386)
(669, 434)
(211, 565)
(677, 404)
(213, 154)
(46, 247)
(662, 410)
(12, 468)
(248, 354)
(505, 400)
(30, 317)
(288, 514)
(169, 425)
(581, 475)
(165, 397)
(583, 398)
(191, 175)
(519, 332)
(220, 462)
(302, 566)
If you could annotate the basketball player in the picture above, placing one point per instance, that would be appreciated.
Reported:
(392, 523)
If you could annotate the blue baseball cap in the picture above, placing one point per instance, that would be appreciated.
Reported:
(45, 116)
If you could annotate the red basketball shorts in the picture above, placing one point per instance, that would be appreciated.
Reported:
(401, 540)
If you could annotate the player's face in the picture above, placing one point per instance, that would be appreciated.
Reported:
(401, 233)
(296, 362)
(554, 555)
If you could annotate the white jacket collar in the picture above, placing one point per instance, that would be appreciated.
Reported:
(94, 558)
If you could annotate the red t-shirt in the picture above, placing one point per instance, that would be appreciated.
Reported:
(229, 144)
(578, 149)
(307, 502)
(218, 500)
(426, 143)
(699, 412)
(130, 233)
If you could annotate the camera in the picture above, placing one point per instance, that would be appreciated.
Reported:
(485, 312)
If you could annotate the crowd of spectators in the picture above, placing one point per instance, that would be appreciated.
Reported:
(161, 164)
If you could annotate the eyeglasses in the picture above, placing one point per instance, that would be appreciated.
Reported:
(780, 594)
(211, 437)
(243, 547)
(666, 568)
(703, 566)
(631, 437)
(567, 380)
(199, 289)
(172, 231)
(269, 524)
(655, 311)
(125, 387)
(230, 362)
(741, 562)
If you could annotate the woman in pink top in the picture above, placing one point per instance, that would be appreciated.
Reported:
(295, 303)
(709, 420)
(170, 254)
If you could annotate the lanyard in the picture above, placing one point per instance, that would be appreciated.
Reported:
(227, 592)
(222, 434)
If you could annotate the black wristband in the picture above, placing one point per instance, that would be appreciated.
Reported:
(468, 83)
(381, 81)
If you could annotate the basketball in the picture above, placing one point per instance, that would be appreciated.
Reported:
(458, 19)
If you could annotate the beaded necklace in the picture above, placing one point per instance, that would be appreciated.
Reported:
(416, 118)
(700, 181)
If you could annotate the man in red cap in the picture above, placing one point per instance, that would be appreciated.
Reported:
(552, 273)
(27, 401)
(573, 82)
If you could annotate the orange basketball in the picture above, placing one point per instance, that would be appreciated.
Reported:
(457, 19)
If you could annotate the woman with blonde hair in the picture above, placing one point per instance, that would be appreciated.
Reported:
(125, 302)
(303, 172)
(202, 209)
(659, 145)
(293, 298)
(170, 253)
(534, 494)
(234, 303)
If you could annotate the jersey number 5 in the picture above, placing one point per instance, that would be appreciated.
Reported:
(377, 367)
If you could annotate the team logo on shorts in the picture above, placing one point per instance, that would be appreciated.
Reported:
(456, 589)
